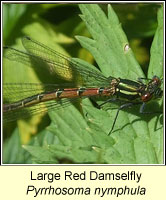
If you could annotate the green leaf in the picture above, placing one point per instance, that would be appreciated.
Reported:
(13, 153)
(156, 52)
(40, 155)
(11, 14)
(109, 43)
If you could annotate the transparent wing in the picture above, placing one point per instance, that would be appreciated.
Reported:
(37, 55)
(13, 92)
(39, 108)
(41, 56)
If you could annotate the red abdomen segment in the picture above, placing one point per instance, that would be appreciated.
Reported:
(58, 94)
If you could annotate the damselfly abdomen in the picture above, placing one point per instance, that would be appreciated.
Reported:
(29, 98)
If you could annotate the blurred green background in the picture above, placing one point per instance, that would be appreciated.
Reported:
(59, 23)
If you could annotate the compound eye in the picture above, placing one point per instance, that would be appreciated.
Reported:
(156, 80)
(146, 97)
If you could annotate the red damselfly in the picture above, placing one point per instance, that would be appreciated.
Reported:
(24, 99)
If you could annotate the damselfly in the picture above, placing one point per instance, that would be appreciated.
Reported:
(80, 82)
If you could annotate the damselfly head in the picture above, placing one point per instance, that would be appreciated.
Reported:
(155, 87)
(156, 81)
(153, 90)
